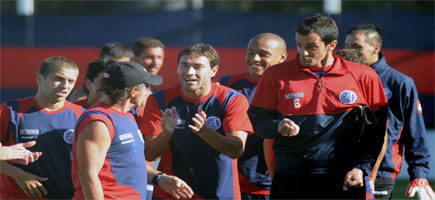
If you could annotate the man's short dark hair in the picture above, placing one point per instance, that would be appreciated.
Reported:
(367, 29)
(201, 49)
(54, 64)
(353, 55)
(143, 43)
(118, 95)
(95, 68)
(323, 26)
(115, 50)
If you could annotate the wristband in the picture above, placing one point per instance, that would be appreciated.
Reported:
(156, 178)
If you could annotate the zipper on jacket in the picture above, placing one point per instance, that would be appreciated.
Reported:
(320, 85)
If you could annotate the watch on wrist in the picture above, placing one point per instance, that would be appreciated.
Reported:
(156, 178)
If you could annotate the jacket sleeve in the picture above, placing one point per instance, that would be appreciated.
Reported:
(262, 112)
(264, 121)
(414, 135)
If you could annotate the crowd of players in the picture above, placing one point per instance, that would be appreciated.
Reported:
(323, 125)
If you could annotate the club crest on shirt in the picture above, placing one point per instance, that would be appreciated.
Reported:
(348, 97)
(213, 122)
(388, 93)
(294, 95)
(68, 136)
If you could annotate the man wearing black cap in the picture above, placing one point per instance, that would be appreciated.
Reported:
(108, 148)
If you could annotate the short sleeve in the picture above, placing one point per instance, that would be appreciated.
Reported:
(96, 117)
(150, 120)
(236, 116)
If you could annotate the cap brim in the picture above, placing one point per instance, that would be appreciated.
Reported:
(154, 80)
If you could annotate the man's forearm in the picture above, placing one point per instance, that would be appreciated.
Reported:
(9, 169)
(151, 172)
(91, 185)
(228, 145)
(155, 147)
(375, 168)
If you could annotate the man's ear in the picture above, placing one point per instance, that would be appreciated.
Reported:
(283, 57)
(214, 70)
(39, 78)
(133, 92)
(88, 84)
(377, 48)
(331, 46)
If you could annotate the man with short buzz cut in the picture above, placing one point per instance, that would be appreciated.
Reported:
(149, 52)
(263, 51)
(48, 119)
(313, 107)
(198, 127)
(405, 120)
(116, 51)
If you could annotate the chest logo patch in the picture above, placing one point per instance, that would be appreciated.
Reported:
(213, 122)
(388, 93)
(347, 97)
(68, 136)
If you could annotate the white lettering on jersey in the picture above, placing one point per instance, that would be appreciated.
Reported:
(297, 103)
(181, 122)
(125, 136)
(294, 95)
(29, 132)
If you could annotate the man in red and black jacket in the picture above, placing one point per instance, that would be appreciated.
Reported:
(309, 106)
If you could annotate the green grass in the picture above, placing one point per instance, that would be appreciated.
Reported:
(400, 189)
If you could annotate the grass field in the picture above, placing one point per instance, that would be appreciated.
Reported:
(401, 186)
